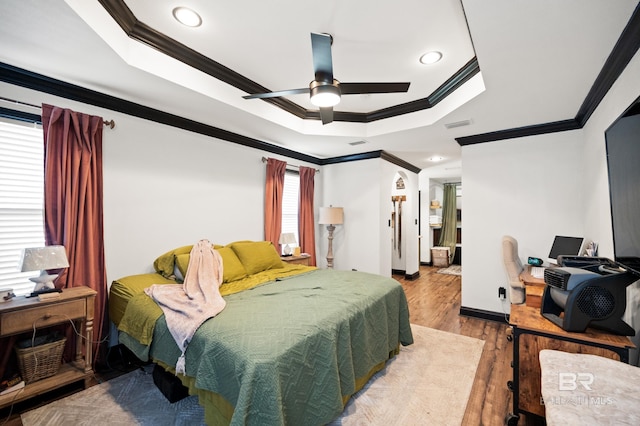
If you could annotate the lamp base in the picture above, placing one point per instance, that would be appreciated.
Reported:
(287, 250)
(44, 281)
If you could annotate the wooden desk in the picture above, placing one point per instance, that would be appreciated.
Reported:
(533, 287)
(533, 333)
(21, 314)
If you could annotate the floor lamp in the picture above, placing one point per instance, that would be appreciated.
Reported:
(331, 216)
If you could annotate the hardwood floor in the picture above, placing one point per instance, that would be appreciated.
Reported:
(434, 301)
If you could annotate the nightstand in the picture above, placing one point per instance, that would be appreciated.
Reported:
(303, 259)
(21, 314)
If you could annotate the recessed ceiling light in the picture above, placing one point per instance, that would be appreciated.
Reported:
(187, 17)
(430, 57)
(436, 158)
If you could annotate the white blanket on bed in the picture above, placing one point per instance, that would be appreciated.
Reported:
(188, 305)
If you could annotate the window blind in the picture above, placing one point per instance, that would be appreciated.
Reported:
(21, 201)
(291, 193)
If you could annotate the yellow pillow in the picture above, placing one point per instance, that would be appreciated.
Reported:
(165, 263)
(257, 256)
(232, 269)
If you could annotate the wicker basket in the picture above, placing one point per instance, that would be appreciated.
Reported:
(41, 361)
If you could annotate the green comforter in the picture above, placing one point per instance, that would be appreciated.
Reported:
(289, 352)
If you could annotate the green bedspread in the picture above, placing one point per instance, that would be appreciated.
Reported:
(289, 352)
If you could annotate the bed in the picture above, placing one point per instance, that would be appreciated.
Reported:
(290, 348)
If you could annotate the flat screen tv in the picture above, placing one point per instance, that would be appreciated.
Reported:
(623, 157)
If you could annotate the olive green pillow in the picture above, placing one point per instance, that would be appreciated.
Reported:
(257, 256)
(165, 263)
(232, 269)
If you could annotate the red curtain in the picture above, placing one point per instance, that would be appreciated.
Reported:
(273, 201)
(306, 227)
(73, 202)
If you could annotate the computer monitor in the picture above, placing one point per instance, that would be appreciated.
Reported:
(569, 246)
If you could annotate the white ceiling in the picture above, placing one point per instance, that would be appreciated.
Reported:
(538, 61)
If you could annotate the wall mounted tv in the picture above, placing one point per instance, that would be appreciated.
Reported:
(623, 157)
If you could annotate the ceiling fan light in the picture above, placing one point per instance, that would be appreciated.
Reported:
(187, 17)
(325, 95)
(430, 57)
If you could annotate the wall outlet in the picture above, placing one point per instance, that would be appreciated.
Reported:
(502, 293)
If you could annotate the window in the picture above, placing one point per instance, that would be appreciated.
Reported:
(21, 200)
(290, 203)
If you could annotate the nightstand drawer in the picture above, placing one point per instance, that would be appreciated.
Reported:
(45, 315)
(303, 259)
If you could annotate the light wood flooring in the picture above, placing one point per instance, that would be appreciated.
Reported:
(434, 301)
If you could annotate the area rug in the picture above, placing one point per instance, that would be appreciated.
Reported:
(451, 270)
(429, 382)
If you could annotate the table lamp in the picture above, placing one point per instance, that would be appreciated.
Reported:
(286, 239)
(331, 216)
(41, 259)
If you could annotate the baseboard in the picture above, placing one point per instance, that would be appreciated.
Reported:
(425, 263)
(413, 276)
(398, 272)
(484, 315)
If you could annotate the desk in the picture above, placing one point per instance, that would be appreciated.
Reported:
(534, 287)
(532, 333)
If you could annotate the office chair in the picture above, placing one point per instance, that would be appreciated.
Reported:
(513, 266)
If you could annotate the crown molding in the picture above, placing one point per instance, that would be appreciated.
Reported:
(624, 50)
(30, 80)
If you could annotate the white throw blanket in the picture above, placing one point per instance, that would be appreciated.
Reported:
(188, 305)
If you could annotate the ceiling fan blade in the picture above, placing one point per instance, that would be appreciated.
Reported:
(322, 63)
(277, 94)
(326, 114)
(363, 88)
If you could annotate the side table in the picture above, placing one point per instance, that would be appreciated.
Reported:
(21, 315)
(303, 259)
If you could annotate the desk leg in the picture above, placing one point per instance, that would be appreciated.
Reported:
(512, 418)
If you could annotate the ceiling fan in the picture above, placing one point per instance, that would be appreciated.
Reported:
(325, 91)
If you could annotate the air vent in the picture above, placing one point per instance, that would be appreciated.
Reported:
(457, 124)
(357, 143)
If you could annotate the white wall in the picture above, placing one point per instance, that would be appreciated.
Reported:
(534, 188)
(363, 189)
(529, 188)
(165, 187)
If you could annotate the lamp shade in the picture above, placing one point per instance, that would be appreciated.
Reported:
(41, 258)
(287, 238)
(331, 216)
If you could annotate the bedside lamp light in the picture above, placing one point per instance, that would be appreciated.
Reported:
(286, 239)
(331, 216)
(41, 259)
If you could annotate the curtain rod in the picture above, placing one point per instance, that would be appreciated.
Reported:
(110, 123)
(264, 160)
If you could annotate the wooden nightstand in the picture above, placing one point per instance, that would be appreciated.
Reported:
(19, 316)
(303, 259)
